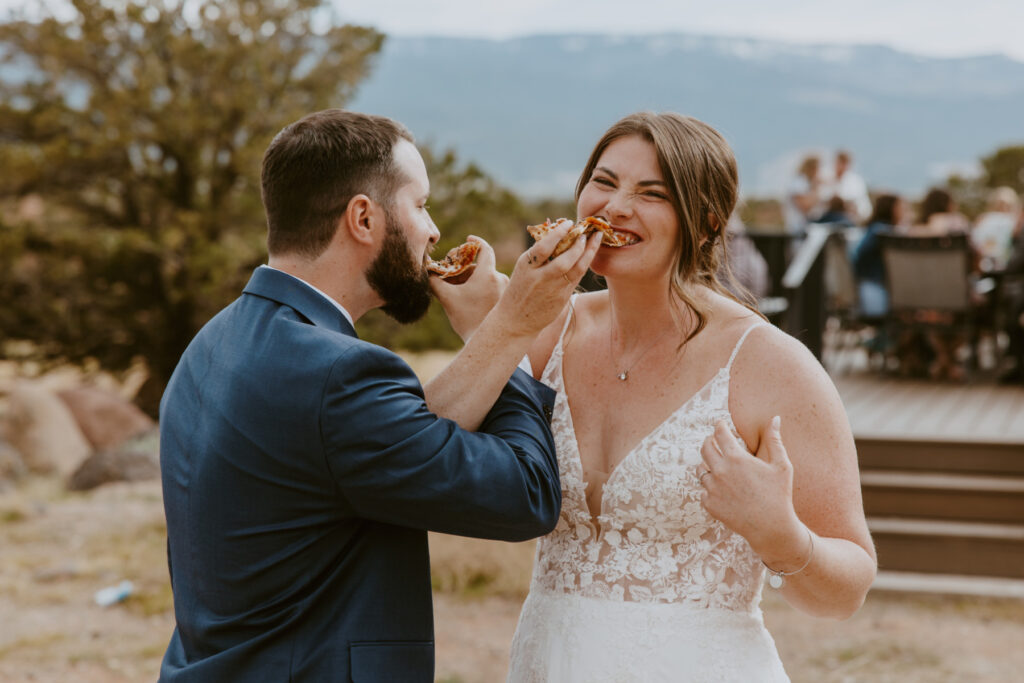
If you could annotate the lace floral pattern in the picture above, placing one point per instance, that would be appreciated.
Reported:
(653, 541)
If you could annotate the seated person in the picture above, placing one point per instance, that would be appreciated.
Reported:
(867, 257)
(937, 216)
(1015, 312)
(836, 213)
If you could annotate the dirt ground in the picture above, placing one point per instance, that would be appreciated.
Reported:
(57, 549)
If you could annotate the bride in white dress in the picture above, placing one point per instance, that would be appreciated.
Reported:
(668, 521)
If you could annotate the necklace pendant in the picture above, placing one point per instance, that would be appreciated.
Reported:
(624, 375)
(776, 581)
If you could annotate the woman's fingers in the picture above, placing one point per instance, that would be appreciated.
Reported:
(772, 450)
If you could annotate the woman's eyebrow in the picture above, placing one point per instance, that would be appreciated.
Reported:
(642, 183)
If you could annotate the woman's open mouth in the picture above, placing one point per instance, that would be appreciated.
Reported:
(619, 238)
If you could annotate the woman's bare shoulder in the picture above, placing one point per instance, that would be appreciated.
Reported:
(769, 354)
(775, 373)
(583, 308)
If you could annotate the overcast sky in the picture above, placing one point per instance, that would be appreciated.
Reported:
(931, 27)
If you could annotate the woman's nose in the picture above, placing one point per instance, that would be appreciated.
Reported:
(619, 204)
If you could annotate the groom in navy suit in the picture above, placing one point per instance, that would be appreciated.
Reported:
(302, 467)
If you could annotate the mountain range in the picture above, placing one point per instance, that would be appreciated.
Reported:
(528, 110)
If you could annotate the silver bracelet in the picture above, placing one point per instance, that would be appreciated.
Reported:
(775, 579)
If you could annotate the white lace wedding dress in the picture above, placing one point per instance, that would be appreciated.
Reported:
(657, 589)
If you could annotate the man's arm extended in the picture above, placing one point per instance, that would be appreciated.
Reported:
(537, 292)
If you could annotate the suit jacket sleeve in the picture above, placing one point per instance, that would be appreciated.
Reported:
(394, 461)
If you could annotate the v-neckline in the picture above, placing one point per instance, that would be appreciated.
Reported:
(629, 454)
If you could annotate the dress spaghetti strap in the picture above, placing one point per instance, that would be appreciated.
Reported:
(743, 337)
(568, 318)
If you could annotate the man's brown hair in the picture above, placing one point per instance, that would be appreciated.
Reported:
(315, 166)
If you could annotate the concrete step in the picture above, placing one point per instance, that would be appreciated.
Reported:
(949, 547)
(927, 495)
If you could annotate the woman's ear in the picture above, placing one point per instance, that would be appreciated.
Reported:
(360, 219)
(713, 223)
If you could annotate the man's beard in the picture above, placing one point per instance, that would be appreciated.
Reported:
(397, 278)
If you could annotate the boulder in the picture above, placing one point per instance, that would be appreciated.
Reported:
(106, 419)
(12, 466)
(42, 428)
(136, 459)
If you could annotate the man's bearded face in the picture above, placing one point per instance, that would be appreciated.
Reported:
(397, 277)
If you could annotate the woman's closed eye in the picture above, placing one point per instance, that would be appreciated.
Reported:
(653, 194)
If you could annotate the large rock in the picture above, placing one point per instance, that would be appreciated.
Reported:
(107, 420)
(12, 466)
(134, 460)
(42, 428)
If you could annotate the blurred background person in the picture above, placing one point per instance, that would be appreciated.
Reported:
(867, 256)
(993, 232)
(802, 197)
(937, 216)
(1014, 294)
(746, 264)
(836, 214)
(937, 350)
(850, 187)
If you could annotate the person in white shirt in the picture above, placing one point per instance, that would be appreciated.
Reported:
(803, 196)
(848, 185)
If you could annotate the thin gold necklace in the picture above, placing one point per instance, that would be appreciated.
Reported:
(624, 374)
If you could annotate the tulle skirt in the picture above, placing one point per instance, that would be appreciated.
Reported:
(567, 638)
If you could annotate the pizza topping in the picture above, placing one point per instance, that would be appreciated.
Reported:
(610, 237)
(457, 264)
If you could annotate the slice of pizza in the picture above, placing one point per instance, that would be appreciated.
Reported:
(609, 238)
(457, 265)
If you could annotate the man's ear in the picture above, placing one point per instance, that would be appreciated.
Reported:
(361, 219)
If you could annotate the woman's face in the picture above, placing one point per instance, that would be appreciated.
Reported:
(628, 190)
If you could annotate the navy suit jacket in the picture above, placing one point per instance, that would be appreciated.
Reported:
(301, 471)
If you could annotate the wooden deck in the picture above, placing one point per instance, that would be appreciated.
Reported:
(891, 408)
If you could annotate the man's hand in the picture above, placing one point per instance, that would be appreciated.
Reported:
(538, 291)
(468, 303)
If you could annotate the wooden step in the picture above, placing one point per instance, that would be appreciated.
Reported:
(976, 457)
(949, 584)
(949, 547)
(926, 495)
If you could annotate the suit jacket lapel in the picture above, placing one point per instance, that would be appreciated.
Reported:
(283, 288)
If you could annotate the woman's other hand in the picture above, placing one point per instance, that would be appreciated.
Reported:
(753, 495)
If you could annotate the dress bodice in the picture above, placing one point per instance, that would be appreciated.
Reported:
(653, 541)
